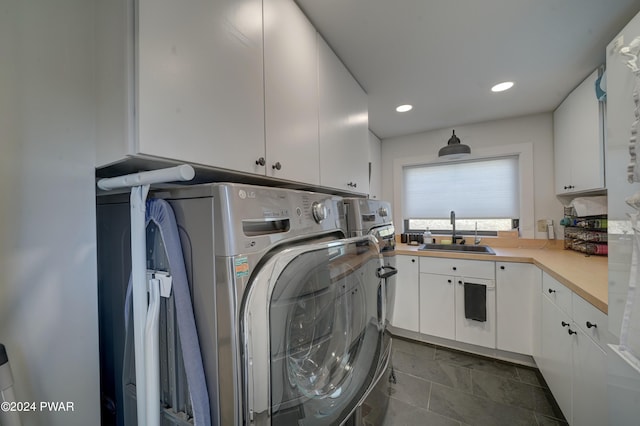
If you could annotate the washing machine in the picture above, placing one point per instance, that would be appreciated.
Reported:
(373, 218)
(290, 310)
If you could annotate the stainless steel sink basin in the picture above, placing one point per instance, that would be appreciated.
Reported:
(457, 247)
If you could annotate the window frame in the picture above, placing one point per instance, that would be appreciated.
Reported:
(524, 153)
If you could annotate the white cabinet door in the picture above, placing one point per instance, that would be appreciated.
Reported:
(343, 125)
(578, 140)
(590, 399)
(375, 167)
(481, 333)
(555, 361)
(406, 305)
(437, 305)
(562, 124)
(291, 93)
(200, 94)
(517, 287)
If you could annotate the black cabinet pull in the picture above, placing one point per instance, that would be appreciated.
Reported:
(551, 291)
(460, 282)
(261, 161)
(413, 261)
(564, 324)
(570, 331)
(277, 166)
(449, 281)
(590, 325)
(502, 267)
(454, 268)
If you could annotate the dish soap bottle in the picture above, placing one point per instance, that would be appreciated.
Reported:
(426, 237)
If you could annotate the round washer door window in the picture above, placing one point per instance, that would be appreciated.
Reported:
(325, 333)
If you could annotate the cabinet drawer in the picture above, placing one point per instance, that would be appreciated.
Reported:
(457, 267)
(591, 320)
(557, 292)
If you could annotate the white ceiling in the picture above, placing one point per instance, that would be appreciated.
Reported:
(444, 56)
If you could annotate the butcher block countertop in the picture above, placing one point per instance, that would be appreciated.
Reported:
(584, 275)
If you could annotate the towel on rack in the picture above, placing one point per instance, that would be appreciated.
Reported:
(475, 302)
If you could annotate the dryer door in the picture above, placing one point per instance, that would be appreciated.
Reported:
(312, 328)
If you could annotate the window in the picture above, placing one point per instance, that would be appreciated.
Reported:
(483, 191)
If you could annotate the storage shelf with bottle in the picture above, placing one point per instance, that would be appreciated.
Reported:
(587, 234)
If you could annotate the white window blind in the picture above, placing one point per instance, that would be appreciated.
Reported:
(485, 188)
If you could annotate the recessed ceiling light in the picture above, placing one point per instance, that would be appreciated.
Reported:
(501, 87)
(404, 108)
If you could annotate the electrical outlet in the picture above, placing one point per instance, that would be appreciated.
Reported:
(542, 225)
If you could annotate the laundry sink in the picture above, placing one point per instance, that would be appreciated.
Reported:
(457, 247)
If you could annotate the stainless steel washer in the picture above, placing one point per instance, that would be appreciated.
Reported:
(290, 311)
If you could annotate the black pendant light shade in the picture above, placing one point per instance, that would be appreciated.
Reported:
(454, 148)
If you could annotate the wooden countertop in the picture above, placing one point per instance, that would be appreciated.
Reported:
(586, 276)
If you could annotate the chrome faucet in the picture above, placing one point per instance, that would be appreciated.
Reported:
(453, 222)
(476, 240)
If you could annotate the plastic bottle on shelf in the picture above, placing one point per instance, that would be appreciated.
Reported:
(426, 237)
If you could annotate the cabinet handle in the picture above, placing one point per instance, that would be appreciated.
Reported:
(413, 261)
(352, 184)
(449, 281)
(551, 291)
(454, 268)
(570, 331)
(502, 267)
(277, 166)
(564, 324)
(261, 161)
(590, 325)
(460, 282)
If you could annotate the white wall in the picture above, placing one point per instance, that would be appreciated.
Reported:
(48, 291)
(535, 129)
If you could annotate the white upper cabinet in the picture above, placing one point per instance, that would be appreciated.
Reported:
(195, 93)
(344, 121)
(578, 137)
(291, 93)
(243, 85)
(375, 166)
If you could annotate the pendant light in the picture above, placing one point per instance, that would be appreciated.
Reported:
(454, 149)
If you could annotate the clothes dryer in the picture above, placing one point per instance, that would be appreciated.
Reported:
(373, 218)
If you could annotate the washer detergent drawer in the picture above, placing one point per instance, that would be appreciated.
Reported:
(312, 329)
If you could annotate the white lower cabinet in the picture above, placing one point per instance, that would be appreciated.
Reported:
(442, 300)
(437, 301)
(572, 358)
(473, 331)
(518, 292)
(590, 402)
(555, 362)
(406, 310)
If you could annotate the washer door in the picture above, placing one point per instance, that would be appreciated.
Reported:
(312, 323)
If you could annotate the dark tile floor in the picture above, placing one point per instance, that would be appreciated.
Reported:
(439, 386)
